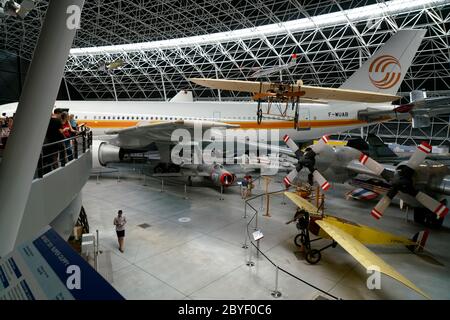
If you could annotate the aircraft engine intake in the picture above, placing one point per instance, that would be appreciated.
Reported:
(104, 153)
(222, 177)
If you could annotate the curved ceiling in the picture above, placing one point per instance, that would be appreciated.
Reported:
(328, 50)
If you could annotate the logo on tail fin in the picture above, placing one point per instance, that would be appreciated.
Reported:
(380, 77)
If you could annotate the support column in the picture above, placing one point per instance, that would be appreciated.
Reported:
(33, 114)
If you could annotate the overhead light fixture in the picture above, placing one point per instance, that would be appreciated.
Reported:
(14, 9)
(369, 12)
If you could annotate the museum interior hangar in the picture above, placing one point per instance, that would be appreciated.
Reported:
(140, 54)
(230, 39)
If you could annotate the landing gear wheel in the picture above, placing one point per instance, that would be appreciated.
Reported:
(299, 240)
(259, 115)
(313, 256)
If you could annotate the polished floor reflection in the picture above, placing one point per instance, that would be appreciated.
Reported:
(192, 248)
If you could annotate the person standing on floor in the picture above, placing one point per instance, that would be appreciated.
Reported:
(120, 222)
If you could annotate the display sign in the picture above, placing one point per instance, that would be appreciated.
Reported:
(47, 268)
(257, 235)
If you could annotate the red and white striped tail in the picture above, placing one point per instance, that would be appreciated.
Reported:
(289, 178)
(373, 166)
(381, 206)
(419, 155)
(320, 179)
(320, 144)
(290, 143)
(433, 205)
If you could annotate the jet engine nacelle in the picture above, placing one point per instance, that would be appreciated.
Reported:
(104, 153)
(222, 177)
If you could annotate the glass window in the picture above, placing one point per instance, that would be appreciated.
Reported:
(109, 117)
(151, 118)
(95, 117)
(128, 118)
(132, 118)
(146, 118)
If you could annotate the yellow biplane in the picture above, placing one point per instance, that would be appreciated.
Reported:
(351, 237)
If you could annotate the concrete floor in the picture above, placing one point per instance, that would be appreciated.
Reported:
(203, 258)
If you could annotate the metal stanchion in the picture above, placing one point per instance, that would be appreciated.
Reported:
(118, 175)
(145, 180)
(276, 293)
(96, 251)
(249, 262)
(185, 192)
(244, 245)
(257, 246)
(221, 193)
(284, 199)
(98, 182)
(162, 185)
(245, 211)
(256, 228)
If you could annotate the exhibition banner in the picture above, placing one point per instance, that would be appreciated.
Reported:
(47, 268)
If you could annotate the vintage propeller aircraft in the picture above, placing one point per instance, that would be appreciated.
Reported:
(412, 180)
(351, 237)
(403, 180)
(282, 97)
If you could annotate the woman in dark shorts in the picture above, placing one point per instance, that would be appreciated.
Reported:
(120, 222)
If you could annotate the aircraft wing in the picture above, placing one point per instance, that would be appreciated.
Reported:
(310, 92)
(364, 256)
(357, 167)
(161, 132)
(302, 203)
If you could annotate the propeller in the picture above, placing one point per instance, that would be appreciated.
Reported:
(307, 159)
(402, 181)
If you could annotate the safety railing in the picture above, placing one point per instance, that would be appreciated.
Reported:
(275, 292)
(57, 154)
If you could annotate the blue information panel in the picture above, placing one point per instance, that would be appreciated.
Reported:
(47, 268)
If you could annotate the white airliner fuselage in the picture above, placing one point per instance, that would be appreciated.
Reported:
(315, 120)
